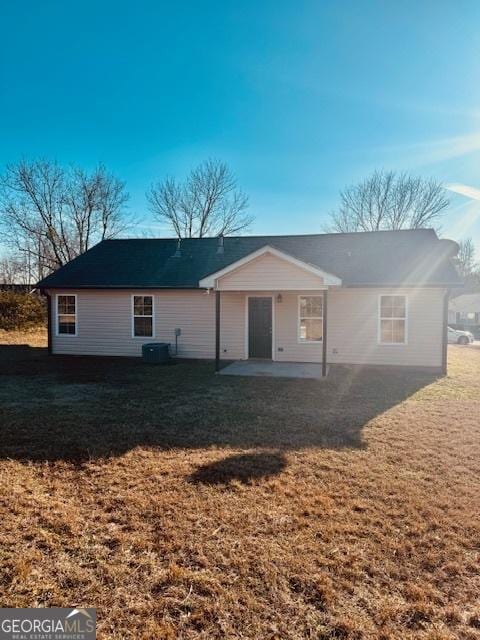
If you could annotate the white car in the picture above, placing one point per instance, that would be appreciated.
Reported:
(455, 336)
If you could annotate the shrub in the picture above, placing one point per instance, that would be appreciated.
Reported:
(21, 310)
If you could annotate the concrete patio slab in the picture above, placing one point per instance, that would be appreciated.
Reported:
(267, 368)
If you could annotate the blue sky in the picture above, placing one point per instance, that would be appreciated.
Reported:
(300, 98)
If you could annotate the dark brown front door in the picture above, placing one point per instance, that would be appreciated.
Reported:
(260, 328)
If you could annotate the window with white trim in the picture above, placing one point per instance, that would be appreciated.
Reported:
(143, 316)
(393, 319)
(310, 318)
(67, 315)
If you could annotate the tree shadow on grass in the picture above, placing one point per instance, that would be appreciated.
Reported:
(77, 408)
(243, 467)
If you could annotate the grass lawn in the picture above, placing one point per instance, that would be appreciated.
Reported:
(187, 505)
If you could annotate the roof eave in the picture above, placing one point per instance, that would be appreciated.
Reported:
(405, 285)
(118, 287)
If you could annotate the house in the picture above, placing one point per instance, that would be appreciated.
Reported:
(465, 309)
(464, 312)
(374, 298)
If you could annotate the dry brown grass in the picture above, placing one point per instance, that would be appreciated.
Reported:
(184, 505)
(33, 337)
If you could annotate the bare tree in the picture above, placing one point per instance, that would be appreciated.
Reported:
(465, 258)
(52, 214)
(14, 270)
(207, 203)
(389, 200)
(468, 267)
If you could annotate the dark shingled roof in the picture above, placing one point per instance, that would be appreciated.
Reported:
(413, 257)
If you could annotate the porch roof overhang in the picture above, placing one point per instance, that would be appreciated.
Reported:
(325, 279)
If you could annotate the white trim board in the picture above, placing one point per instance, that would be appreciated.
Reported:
(132, 312)
(56, 314)
(379, 320)
(310, 295)
(210, 282)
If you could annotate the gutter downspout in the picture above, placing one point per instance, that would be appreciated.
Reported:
(49, 319)
(445, 331)
(324, 334)
(217, 331)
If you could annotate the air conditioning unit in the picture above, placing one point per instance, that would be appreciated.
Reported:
(156, 352)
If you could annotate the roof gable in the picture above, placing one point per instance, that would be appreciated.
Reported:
(286, 266)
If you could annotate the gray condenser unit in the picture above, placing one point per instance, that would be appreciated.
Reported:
(156, 352)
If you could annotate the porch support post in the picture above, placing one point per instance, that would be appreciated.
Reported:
(324, 334)
(445, 331)
(217, 330)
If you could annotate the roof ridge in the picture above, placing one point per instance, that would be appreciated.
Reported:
(288, 235)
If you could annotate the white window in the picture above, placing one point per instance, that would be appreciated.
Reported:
(310, 318)
(67, 315)
(393, 320)
(142, 316)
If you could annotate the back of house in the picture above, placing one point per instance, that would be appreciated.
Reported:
(373, 298)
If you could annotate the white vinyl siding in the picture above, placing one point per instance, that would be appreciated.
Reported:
(288, 347)
(353, 328)
(105, 322)
(104, 326)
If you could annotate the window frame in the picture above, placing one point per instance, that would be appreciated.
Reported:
(300, 340)
(380, 318)
(142, 295)
(57, 315)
